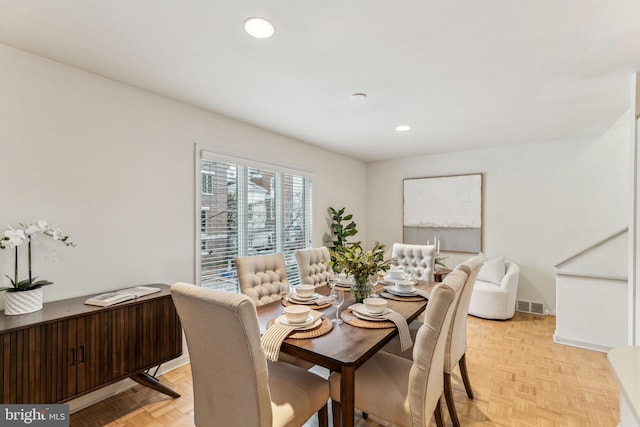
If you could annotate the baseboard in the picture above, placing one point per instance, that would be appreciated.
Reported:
(581, 344)
(94, 397)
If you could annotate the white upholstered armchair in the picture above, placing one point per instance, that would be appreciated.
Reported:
(420, 258)
(494, 293)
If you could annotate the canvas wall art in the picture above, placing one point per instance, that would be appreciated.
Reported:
(446, 208)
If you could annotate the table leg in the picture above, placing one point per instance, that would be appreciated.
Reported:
(347, 395)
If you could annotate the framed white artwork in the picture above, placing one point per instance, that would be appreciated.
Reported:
(444, 208)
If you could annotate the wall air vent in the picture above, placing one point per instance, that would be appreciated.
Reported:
(530, 307)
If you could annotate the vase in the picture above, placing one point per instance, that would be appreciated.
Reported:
(360, 288)
(22, 302)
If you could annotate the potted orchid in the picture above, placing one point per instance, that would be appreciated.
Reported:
(25, 296)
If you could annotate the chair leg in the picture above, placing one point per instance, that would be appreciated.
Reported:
(365, 415)
(323, 417)
(448, 395)
(336, 413)
(438, 414)
(465, 375)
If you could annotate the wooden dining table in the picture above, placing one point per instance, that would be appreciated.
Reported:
(345, 347)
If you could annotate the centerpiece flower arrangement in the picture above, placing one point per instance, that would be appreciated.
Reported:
(14, 237)
(360, 264)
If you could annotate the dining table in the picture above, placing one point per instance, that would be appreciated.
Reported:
(345, 347)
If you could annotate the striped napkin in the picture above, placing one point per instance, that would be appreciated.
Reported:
(272, 339)
(397, 318)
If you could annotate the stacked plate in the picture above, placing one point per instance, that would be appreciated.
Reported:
(343, 283)
(361, 312)
(294, 297)
(394, 291)
(309, 323)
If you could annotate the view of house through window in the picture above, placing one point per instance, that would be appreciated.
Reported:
(249, 209)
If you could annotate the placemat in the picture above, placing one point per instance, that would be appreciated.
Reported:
(325, 327)
(415, 298)
(285, 301)
(351, 319)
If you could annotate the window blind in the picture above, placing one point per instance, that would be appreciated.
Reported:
(248, 208)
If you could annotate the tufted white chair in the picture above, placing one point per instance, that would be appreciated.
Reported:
(263, 278)
(313, 266)
(233, 384)
(421, 258)
(402, 391)
(495, 291)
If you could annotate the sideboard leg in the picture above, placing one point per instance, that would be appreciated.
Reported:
(149, 381)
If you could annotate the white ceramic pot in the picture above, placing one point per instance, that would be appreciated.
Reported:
(22, 302)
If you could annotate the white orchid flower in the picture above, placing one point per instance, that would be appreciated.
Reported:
(44, 225)
(14, 237)
(56, 233)
(32, 229)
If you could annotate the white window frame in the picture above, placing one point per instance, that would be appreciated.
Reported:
(221, 155)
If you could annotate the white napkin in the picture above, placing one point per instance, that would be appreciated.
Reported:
(397, 318)
(424, 294)
(272, 339)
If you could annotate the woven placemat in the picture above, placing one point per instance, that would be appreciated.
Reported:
(286, 302)
(321, 329)
(387, 295)
(351, 319)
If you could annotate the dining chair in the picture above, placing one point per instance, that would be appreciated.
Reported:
(402, 391)
(456, 346)
(314, 266)
(263, 278)
(233, 384)
(419, 258)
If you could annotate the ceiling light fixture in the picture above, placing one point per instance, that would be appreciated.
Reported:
(359, 96)
(403, 128)
(259, 28)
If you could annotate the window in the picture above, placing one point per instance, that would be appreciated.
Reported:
(249, 208)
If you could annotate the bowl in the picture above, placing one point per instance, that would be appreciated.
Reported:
(296, 313)
(395, 274)
(305, 291)
(375, 305)
(404, 286)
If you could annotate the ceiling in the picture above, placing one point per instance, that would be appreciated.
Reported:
(463, 74)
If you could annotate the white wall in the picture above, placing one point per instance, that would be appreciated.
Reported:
(541, 202)
(113, 166)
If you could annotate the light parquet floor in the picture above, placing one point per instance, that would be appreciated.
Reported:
(519, 377)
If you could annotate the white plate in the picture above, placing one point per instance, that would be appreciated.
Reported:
(360, 308)
(301, 298)
(283, 319)
(343, 284)
(302, 327)
(393, 291)
(366, 317)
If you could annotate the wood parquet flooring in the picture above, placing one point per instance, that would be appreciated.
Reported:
(519, 377)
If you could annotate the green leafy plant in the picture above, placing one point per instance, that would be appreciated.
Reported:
(439, 261)
(341, 228)
(360, 263)
(14, 237)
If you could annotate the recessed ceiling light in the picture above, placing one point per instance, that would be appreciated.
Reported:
(403, 128)
(259, 28)
(359, 96)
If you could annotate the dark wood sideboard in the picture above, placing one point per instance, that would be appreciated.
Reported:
(68, 348)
